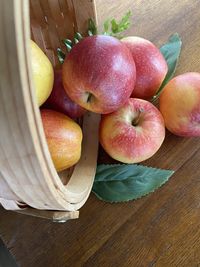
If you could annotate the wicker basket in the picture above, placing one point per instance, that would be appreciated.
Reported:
(27, 175)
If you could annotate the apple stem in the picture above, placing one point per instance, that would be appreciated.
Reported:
(136, 120)
(89, 97)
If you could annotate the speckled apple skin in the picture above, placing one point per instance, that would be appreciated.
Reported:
(180, 105)
(64, 138)
(102, 66)
(132, 144)
(151, 67)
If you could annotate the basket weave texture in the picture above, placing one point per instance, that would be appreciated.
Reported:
(27, 174)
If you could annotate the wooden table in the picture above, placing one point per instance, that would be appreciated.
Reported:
(162, 229)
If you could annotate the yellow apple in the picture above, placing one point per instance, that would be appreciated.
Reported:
(43, 74)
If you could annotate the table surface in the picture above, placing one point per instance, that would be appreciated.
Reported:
(161, 229)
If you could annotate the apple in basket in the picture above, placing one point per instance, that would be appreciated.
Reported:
(64, 138)
(180, 104)
(134, 132)
(42, 71)
(60, 101)
(99, 73)
(151, 67)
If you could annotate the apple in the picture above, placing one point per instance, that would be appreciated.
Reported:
(42, 71)
(151, 67)
(64, 138)
(134, 132)
(99, 73)
(60, 101)
(180, 104)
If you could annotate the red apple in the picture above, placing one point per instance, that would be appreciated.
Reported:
(99, 73)
(134, 132)
(64, 137)
(180, 104)
(60, 101)
(151, 67)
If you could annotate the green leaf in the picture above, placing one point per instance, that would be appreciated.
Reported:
(76, 41)
(78, 36)
(125, 21)
(171, 52)
(67, 41)
(119, 183)
(106, 26)
(90, 33)
(61, 55)
(68, 44)
(114, 26)
(92, 29)
(122, 25)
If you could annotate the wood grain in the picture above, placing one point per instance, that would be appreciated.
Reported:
(159, 230)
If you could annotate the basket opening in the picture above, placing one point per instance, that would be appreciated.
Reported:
(51, 22)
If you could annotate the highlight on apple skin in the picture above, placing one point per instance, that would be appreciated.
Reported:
(151, 66)
(99, 73)
(133, 133)
(64, 138)
(180, 105)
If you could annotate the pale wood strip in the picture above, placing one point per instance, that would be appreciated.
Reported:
(15, 136)
(8, 108)
(52, 183)
(83, 11)
(51, 22)
(74, 195)
(9, 204)
(61, 216)
(5, 191)
(31, 176)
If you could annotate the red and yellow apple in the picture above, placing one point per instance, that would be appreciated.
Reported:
(60, 101)
(180, 104)
(134, 132)
(99, 73)
(151, 67)
(64, 138)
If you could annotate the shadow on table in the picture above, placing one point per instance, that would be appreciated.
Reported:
(6, 259)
